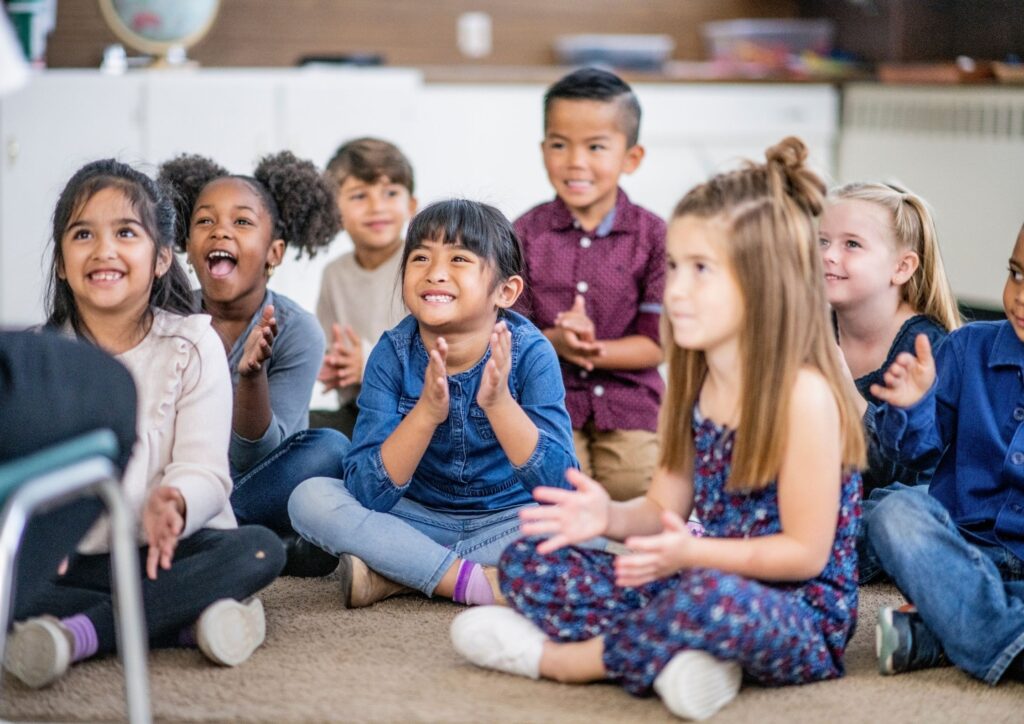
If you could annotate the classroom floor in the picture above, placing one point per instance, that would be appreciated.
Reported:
(393, 663)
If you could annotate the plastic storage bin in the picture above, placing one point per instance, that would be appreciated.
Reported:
(769, 43)
(632, 52)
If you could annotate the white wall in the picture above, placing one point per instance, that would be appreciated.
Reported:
(474, 140)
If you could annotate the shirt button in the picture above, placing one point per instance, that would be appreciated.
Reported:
(585, 242)
(599, 390)
(1017, 458)
(583, 374)
(1018, 414)
(582, 287)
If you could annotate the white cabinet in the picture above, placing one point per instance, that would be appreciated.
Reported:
(49, 129)
(474, 140)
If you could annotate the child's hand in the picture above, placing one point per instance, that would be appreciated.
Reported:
(573, 516)
(163, 519)
(909, 377)
(259, 345)
(435, 384)
(654, 556)
(576, 320)
(494, 383)
(572, 349)
(343, 363)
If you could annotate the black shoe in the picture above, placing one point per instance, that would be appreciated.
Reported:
(904, 643)
(306, 560)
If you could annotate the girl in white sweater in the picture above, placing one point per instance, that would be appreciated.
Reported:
(115, 282)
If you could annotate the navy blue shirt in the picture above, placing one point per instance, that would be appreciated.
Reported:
(464, 469)
(881, 471)
(975, 414)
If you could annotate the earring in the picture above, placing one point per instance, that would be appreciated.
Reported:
(270, 270)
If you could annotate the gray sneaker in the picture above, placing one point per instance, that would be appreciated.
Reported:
(39, 651)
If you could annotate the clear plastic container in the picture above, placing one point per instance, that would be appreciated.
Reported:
(633, 52)
(771, 42)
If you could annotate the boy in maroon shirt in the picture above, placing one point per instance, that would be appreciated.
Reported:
(595, 270)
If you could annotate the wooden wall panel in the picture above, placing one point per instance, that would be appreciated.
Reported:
(409, 32)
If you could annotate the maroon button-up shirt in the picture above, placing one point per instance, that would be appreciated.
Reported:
(619, 268)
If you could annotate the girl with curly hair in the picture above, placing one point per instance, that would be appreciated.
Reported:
(235, 230)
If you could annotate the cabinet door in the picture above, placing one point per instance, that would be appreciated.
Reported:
(691, 132)
(229, 115)
(60, 121)
(321, 108)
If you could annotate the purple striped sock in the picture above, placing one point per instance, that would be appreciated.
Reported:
(87, 642)
(462, 580)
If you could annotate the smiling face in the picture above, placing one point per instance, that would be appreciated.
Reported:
(108, 258)
(231, 242)
(449, 289)
(703, 298)
(1013, 291)
(374, 214)
(585, 151)
(858, 251)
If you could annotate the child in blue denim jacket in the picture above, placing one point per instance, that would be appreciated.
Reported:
(958, 553)
(462, 414)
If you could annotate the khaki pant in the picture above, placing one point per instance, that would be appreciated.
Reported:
(623, 461)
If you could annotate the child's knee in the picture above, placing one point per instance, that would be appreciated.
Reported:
(904, 519)
(311, 499)
(264, 554)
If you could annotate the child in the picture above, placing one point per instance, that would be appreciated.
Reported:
(759, 434)
(958, 553)
(461, 415)
(115, 282)
(595, 267)
(359, 293)
(886, 283)
(235, 230)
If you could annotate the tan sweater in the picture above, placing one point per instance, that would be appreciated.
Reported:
(184, 424)
(368, 300)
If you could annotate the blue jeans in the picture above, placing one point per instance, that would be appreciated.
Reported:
(869, 568)
(970, 595)
(261, 495)
(410, 544)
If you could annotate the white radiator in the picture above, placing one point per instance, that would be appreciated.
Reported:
(962, 149)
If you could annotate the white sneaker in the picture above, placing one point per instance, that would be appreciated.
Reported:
(496, 637)
(39, 651)
(695, 685)
(229, 631)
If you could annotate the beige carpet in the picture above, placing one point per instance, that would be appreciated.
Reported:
(393, 663)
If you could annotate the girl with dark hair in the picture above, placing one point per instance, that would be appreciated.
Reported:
(116, 283)
(235, 230)
(461, 415)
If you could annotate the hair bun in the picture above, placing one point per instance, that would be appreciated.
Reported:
(786, 163)
(790, 153)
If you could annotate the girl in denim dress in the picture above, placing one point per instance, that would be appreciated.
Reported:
(760, 438)
(461, 416)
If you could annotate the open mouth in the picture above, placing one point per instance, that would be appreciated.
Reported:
(105, 275)
(438, 298)
(220, 263)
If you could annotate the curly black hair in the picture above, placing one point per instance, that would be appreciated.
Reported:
(301, 203)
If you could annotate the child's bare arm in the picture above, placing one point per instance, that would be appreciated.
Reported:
(809, 486)
(634, 352)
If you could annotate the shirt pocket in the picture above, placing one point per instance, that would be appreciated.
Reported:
(405, 405)
(480, 422)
